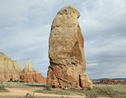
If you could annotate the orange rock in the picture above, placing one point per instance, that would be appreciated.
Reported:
(9, 69)
(66, 50)
(85, 82)
(29, 75)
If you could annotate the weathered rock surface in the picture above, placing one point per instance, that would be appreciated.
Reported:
(85, 82)
(28, 74)
(66, 50)
(9, 69)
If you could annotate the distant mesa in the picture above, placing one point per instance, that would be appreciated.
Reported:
(10, 69)
(110, 81)
(66, 51)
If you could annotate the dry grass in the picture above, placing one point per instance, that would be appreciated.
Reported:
(4, 90)
(97, 91)
(24, 97)
(119, 90)
(58, 92)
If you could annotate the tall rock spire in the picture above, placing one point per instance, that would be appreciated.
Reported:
(30, 75)
(66, 51)
(28, 66)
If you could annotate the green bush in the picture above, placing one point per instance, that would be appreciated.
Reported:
(11, 80)
(21, 81)
(15, 80)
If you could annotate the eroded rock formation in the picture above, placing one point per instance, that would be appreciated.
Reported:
(66, 51)
(85, 81)
(9, 69)
(28, 74)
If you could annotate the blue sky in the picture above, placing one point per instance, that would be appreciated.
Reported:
(25, 27)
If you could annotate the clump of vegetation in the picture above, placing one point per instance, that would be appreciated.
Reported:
(2, 88)
(64, 97)
(11, 80)
(96, 92)
(106, 91)
(21, 81)
(53, 91)
(28, 95)
(87, 88)
(47, 87)
(92, 95)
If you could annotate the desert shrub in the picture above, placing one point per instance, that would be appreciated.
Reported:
(86, 88)
(28, 95)
(91, 95)
(21, 81)
(47, 87)
(62, 97)
(11, 80)
(15, 81)
(107, 91)
(2, 87)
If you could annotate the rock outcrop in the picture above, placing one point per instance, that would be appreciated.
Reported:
(29, 75)
(85, 82)
(9, 69)
(66, 51)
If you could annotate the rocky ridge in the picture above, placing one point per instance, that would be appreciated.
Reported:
(10, 69)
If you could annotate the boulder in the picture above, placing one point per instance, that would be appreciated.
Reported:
(66, 50)
(28, 74)
(9, 69)
(85, 82)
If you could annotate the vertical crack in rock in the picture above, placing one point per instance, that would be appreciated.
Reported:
(66, 51)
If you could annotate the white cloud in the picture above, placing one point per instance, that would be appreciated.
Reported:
(25, 28)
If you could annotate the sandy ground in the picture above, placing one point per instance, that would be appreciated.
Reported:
(23, 91)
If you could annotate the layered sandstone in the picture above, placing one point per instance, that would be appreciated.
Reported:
(29, 75)
(9, 69)
(66, 50)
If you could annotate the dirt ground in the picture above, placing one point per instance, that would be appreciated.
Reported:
(23, 91)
